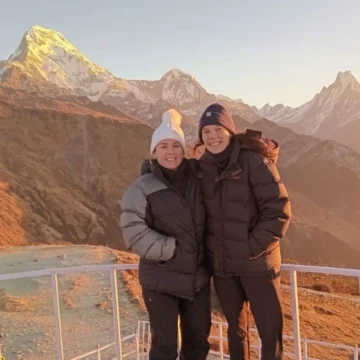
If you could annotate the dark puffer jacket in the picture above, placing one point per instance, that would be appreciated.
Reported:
(248, 209)
(165, 228)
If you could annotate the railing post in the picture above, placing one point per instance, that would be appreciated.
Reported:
(305, 349)
(142, 346)
(116, 315)
(56, 306)
(260, 345)
(179, 338)
(148, 343)
(137, 339)
(356, 353)
(98, 352)
(295, 314)
(143, 342)
(221, 341)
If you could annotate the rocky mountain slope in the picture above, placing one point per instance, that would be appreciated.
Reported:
(333, 113)
(63, 168)
(67, 153)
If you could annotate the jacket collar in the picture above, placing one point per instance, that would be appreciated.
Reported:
(233, 167)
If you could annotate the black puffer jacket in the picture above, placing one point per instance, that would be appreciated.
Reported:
(247, 205)
(165, 227)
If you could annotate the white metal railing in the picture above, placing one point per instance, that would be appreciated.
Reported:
(142, 339)
(99, 349)
(292, 269)
(352, 349)
(55, 296)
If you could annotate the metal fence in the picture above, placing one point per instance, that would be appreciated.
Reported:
(300, 345)
(142, 340)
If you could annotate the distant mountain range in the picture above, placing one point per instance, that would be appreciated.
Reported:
(47, 63)
(72, 137)
(333, 113)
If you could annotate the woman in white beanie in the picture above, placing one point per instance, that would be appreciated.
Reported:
(163, 220)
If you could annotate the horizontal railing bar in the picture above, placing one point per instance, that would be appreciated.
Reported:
(124, 267)
(105, 347)
(129, 353)
(67, 270)
(322, 270)
(253, 346)
(313, 342)
(217, 353)
(331, 345)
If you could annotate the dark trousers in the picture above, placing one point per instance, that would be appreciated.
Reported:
(195, 320)
(263, 294)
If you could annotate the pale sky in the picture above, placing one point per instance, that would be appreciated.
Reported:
(276, 51)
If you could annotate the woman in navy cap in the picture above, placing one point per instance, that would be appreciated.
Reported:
(248, 213)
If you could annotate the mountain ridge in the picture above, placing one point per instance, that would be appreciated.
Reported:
(64, 166)
(333, 113)
(81, 177)
(46, 62)
(45, 55)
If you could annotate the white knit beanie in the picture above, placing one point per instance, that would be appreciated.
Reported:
(169, 129)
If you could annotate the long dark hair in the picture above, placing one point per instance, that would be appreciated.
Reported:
(252, 138)
(196, 146)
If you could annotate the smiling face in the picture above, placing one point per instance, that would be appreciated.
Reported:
(169, 154)
(216, 138)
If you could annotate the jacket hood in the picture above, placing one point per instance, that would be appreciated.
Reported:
(253, 140)
(145, 167)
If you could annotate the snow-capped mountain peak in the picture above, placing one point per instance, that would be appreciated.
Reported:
(45, 54)
(38, 45)
(272, 112)
(181, 88)
(46, 62)
(175, 87)
(40, 41)
(344, 79)
(176, 73)
(333, 113)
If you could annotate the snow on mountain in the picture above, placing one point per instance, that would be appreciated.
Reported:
(223, 97)
(182, 90)
(46, 54)
(322, 105)
(46, 62)
(54, 65)
(175, 87)
(273, 112)
(2, 68)
(333, 113)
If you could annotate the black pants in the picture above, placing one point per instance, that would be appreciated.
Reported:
(263, 294)
(195, 320)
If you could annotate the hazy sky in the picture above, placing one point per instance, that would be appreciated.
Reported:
(261, 51)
